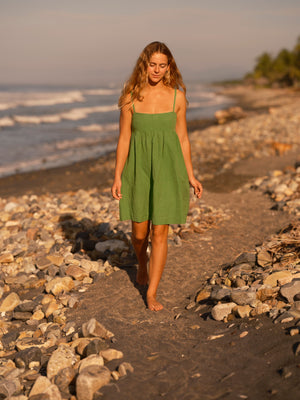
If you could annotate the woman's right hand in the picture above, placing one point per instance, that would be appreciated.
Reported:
(116, 189)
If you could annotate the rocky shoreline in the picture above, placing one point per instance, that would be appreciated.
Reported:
(55, 245)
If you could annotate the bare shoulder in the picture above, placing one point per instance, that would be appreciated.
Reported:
(180, 100)
(127, 106)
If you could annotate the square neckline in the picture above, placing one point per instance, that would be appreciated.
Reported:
(162, 113)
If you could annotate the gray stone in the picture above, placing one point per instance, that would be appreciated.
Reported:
(113, 245)
(28, 358)
(90, 380)
(23, 316)
(61, 358)
(65, 378)
(290, 290)
(95, 346)
(218, 293)
(246, 257)
(94, 328)
(220, 311)
(93, 359)
(242, 297)
(26, 306)
(9, 387)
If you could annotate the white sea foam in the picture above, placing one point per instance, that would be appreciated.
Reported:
(10, 100)
(74, 114)
(101, 92)
(6, 121)
(98, 128)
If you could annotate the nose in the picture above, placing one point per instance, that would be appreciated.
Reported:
(156, 69)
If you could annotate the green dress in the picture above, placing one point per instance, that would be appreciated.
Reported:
(155, 183)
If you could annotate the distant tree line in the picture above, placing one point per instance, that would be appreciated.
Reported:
(281, 70)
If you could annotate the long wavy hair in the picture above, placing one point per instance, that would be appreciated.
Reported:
(139, 78)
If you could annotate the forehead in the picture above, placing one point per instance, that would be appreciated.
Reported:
(159, 58)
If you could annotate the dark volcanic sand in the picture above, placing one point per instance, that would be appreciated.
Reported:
(169, 353)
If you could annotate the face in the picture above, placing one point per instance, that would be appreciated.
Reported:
(157, 67)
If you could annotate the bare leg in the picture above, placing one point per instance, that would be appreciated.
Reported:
(140, 234)
(159, 241)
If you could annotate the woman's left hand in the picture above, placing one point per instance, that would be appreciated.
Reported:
(198, 189)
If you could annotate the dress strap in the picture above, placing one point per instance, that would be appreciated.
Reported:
(132, 102)
(174, 99)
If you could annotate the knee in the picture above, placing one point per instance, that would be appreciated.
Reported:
(160, 232)
(139, 237)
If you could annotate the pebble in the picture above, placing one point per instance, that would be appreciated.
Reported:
(271, 274)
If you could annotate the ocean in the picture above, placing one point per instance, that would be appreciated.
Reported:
(45, 126)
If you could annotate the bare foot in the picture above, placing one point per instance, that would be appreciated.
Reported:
(153, 304)
(142, 276)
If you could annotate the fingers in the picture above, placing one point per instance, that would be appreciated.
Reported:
(116, 193)
(198, 189)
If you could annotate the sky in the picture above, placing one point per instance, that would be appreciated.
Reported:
(97, 42)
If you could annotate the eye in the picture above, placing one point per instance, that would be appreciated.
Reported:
(162, 65)
(152, 64)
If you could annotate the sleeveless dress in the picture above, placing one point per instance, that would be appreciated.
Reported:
(155, 183)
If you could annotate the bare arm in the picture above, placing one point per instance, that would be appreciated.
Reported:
(122, 149)
(181, 130)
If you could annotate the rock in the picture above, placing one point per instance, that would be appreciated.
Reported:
(6, 258)
(260, 309)
(264, 258)
(242, 311)
(290, 290)
(202, 295)
(40, 386)
(76, 272)
(124, 367)
(94, 328)
(266, 294)
(246, 258)
(10, 302)
(272, 280)
(238, 270)
(94, 347)
(220, 293)
(28, 358)
(90, 380)
(43, 263)
(93, 359)
(65, 378)
(9, 387)
(111, 354)
(220, 311)
(55, 259)
(26, 306)
(113, 245)
(61, 358)
(59, 285)
(23, 316)
(243, 297)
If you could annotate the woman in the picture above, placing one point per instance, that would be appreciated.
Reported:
(153, 160)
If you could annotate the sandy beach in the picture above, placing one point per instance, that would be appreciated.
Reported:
(66, 261)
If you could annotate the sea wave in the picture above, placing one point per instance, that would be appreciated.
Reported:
(61, 158)
(9, 100)
(101, 92)
(74, 114)
(98, 128)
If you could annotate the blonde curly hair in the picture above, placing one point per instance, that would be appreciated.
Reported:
(138, 79)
